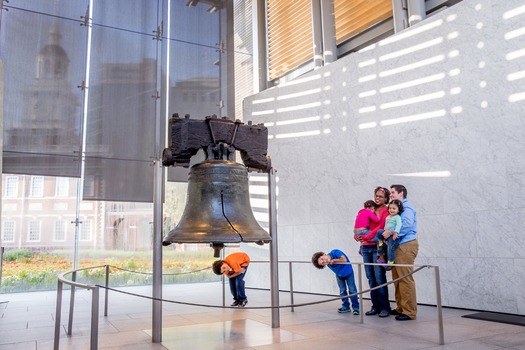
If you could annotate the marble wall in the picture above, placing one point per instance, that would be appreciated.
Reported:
(440, 108)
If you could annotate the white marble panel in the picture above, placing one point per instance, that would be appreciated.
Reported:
(449, 235)
(519, 266)
(486, 284)
(309, 239)
(501, 233)
(516, 190)
(479, 188)
(458, 149)
(342, 237)
(285, 241)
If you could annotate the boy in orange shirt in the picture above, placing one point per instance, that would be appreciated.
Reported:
(234, 266)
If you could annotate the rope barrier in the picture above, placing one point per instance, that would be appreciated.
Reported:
(164, 274)
(263, 307)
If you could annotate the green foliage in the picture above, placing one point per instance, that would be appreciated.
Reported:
(12, 255)
(27, 271)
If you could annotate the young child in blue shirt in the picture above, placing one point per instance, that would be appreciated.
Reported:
(344, 274)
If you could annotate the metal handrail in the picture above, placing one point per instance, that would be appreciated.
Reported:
(360, 287)
(94, 304)
(95, 297)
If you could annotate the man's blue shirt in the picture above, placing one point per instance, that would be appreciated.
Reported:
(409, 228)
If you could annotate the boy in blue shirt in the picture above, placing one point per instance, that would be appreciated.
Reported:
(344, 274)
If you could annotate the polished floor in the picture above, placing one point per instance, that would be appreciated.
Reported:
(27, 322)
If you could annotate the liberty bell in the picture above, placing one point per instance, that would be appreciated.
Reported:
(218, 209)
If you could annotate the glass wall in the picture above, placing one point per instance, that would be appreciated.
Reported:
(88, 88)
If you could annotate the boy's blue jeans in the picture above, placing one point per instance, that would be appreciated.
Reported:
(348, 283)
(237, 286)
(390, 243)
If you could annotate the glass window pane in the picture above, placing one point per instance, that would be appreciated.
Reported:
(60, 231)
(34, 231)
(194, 61)
(43, 48)
(11, 186)
(62, 187)
(8, 231)
(37, 186)
(121, 120)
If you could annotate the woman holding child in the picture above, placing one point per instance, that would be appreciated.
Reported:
(376, 274)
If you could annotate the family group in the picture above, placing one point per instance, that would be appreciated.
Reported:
(386, 228)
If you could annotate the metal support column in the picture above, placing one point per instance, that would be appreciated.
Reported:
(1, 260)
(360, 283)
(329, 42)
(400, 13)
(317, 33)
(58, 315)
(439, 307)
(260, 60)
(416, 11)
(94, 318)
(156, 330)
(274, 258)
(71, 304)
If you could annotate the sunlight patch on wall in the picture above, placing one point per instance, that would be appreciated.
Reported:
(412, 49)
(299, 94)
(367, 63)
(443, 173)
(456, 110)
(298, 134)
(411, 83)
(412, 32)
(413, 118)
(367, 78)
(268, 111)
(263, 100)
(413, 100)
(517, 97)
(300, 80)
(298, 107)
(515, 33)
(297, 121)
(367, 125)
(412, 66)
(515, 54)
(367, 109)
(367, 93)
(258, 189)
(516, 75)
(454, 72)
(514, 12)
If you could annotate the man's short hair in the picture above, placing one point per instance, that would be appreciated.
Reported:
(400, 189)
(315, 260)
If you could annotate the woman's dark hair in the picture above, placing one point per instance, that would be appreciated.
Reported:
(399, 205)
(315, 259)
(385, 191)
(216, 267)
(369, 203)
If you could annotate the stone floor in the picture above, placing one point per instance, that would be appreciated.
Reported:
(27, 322)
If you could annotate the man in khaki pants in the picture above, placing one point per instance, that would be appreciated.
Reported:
(406, 254)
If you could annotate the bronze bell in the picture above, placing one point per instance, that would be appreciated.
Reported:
(218, 207)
